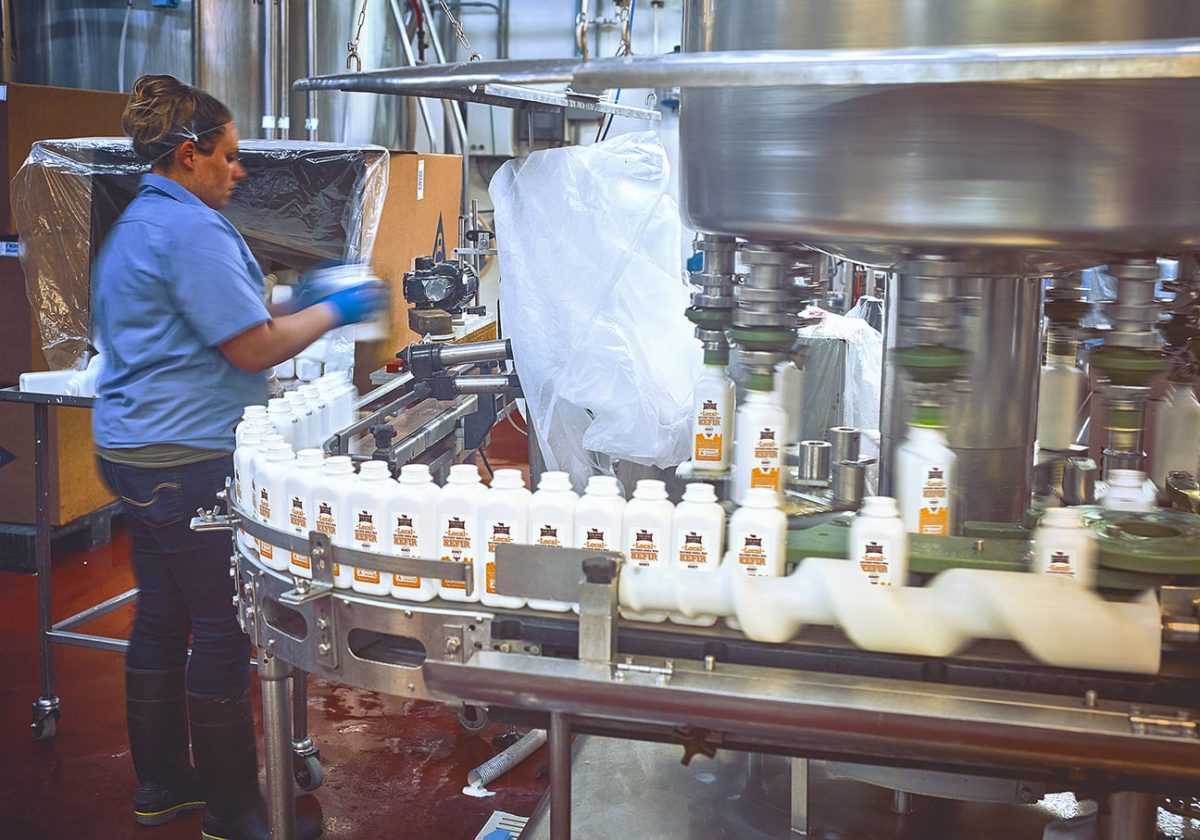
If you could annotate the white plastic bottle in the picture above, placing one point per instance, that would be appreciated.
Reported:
(552, 522)
(925, 468)
(789, 388)
(1062, 546)
(758, 535)
(647, 542)
(280, 412)
(1128, 490)
(331, 501)
(253, 416)
(1176, 434)
(712, 415)
(458, 527)
(320, 410)
(306, 421)
(412, 518)
(339, 394)
(253, 465)
(697, 539)
(298, 496)
(270, 476)
(1060, 393)
(600, 515)
(757, 455)
(879, 542)
(504, 517)
(368, 499)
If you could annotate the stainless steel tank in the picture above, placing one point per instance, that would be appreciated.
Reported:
(1090, 166)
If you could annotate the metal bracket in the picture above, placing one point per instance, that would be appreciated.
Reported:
(1156, 724)
(1180, 606)
(455, 647)
(661, 674)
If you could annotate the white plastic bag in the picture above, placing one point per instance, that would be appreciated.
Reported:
(593, 299)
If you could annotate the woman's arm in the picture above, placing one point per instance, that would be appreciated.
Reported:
(268, 343)
(263, 346)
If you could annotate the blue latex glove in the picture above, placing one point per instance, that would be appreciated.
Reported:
(357, 304)
(313, 286)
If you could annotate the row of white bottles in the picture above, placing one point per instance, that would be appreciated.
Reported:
(305, 417)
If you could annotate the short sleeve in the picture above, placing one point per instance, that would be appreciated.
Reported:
(211, 283)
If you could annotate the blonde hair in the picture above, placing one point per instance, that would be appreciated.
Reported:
(163, 112)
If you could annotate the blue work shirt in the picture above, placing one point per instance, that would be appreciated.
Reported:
(174, 279)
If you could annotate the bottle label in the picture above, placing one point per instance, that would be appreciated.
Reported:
(404, 539)
(875, 563)
(365, 533)
(710, 442)
(644, 550)
(265, 549)
(326, 523)
(299, 522)
(752, 556)
(499, 533)
(934, 515)
(456, 547)
(548, 535)
(1061, 563)
(237, 484)
(693, 554)
(765, 470)
(594, 539)
(366, 575)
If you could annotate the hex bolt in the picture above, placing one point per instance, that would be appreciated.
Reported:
(453, 645)
(324, 648)
(710, 663)
(322, 622)
(1089, 698)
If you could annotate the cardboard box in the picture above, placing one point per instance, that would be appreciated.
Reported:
(37, 112)
(29, 113)
(76, 488)
(419, 218)
(20, 340)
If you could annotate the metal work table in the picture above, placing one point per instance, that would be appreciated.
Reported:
(46, 709)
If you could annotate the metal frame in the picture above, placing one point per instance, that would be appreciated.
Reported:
(351, 638)
(47, 707)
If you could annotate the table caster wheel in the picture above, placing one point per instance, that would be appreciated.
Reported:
(45, 725)
(308, 771)
(473, 718)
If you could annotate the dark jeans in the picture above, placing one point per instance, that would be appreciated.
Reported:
(183, 576)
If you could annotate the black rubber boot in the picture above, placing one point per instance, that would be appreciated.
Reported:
(227, 762)
(157, 714)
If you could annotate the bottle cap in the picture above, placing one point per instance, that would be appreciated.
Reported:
(463, 474)
(1062, 517)
(1127, 478)
(278, 404)
(651, 489)
(603, 485)
(254, 411)
(508, 479)
(762, 498)
(879, 506)
(700, 493)
(555, 480)
(339, 465)
(415, 474)
(375, 470)
(279, 451)
(310, 458)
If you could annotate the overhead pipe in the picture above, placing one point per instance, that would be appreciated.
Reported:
(270, 86)
(283, 83)
(406, 44)
(312, 120)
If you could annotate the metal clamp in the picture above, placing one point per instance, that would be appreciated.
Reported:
(1152, 723)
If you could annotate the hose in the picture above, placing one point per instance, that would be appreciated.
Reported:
(501, 763)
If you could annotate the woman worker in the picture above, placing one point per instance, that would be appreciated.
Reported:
(178, 307)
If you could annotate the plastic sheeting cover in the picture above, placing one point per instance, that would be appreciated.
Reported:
(593, 300)
(300, 203)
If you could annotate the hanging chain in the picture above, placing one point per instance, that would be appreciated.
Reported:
(626, 47)
(581, 29)
(459, 32)
(352, 47)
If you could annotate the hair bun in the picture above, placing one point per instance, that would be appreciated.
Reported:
(162, 112)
